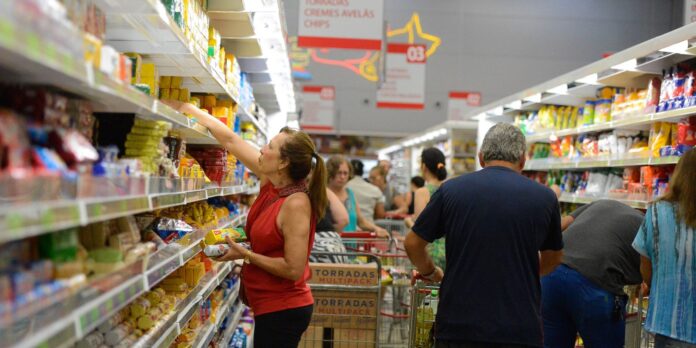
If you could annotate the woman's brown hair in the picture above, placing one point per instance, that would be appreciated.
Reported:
(682, 188)
(298, 149)
(334, 163)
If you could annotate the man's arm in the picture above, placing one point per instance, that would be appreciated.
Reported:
(646, 270)
(550, 259)
(418, 254)
(566, 221)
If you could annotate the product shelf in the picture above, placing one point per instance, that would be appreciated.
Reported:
(71, 316)
(231, 326)
(208, 331)
(30, 219)
(571, 198)
(169, 327)
(44, 63)
(597, 162)
(627, 123)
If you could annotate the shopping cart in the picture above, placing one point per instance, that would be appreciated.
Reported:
(424, 307)
(396, 281)
(346, 302)
(395, 225)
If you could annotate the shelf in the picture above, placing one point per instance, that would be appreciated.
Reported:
(209, 330)
(570, 198)
(68, 320)
(31, 219)
(246, 116)
(598, 162)
(172, 324)
(232, 325)
(465, 155)
(45, 63)
(628, 123)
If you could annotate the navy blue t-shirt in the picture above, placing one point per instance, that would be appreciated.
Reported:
(495, 222)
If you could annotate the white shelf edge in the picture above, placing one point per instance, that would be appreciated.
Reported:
(589, 163)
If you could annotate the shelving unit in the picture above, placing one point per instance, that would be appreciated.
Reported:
(27, 220)
(630, 68)
(83, 312)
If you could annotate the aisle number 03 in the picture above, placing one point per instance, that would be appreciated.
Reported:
(416, 54)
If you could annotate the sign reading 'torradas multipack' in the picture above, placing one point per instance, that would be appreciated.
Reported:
(348, 24)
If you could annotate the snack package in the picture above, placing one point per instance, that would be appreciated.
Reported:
(216, 250)
(170, 230)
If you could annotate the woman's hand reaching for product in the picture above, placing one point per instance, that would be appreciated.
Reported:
(408, 221)
(180, 106)
(236, 252)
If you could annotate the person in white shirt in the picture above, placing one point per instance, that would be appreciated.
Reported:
(370, 198)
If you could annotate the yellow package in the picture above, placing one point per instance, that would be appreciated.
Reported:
(166, 82)
(148, 70)
(184, 95)
(154, 125)
(92, 50)
(155, 297)
(136, 63)
(195, 101)
(147, 321)
(176, 81)
(659, 136)
(225, 103)
(209, 102)
(150, 81)
(218, 236)
(174, 94)
(164, 94)
(139, 307)
(675, 134)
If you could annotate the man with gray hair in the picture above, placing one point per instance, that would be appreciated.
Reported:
(496, 222)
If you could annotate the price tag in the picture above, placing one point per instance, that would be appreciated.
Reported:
(168, 200)
(214, 192)
(195, 196)
(14, 221)
(191, 252)
(32, 44)
(156, 275)
(48, 218)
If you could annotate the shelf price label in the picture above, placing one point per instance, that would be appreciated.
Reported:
(214, 192)
(196, 196)
(156, 275)
(404, 86)
(100, 312)
(191, 251)
(164, 201)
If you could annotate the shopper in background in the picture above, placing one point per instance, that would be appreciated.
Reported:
(495, 221)
(416, 183)
(585, 294)
(339, 171)
(280, 226)
(369, 197)
(667, 243)
(434, 173)
(392, 199)
(328, 240)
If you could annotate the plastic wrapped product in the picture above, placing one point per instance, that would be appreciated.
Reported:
(117, 334)
(216, 250)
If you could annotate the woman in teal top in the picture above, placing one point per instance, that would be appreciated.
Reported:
(667, 243)
(434, 173)
(340, 171)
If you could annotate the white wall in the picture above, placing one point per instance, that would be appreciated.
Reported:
(497, 47)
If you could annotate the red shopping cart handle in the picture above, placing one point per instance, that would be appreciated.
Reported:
(359, 234)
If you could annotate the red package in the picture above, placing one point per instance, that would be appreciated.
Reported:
(687, 132)
(653, 95)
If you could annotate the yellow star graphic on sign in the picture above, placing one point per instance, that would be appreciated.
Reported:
(367, 65)
(413, 28)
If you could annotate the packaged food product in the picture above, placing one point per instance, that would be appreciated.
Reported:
(117, 334)
(149, 319)
(139, 307)
(216, 250)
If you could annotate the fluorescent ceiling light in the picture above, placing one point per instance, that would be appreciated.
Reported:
(479, 117)
(589, 79)
(443, 131)
(534, 98)
(679, 47)
(630, 64)
(498, 111)
(562, 89)
(517, 104)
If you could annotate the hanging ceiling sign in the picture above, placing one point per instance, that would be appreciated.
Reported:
(348, 24)
(318, 108)
(404, 86)
(460, 102)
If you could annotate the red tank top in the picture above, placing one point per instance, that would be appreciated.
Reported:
(265, 292)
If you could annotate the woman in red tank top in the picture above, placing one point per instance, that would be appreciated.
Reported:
(280, 227)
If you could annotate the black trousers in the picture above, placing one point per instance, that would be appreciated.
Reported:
(282, 329)
(446, 344)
